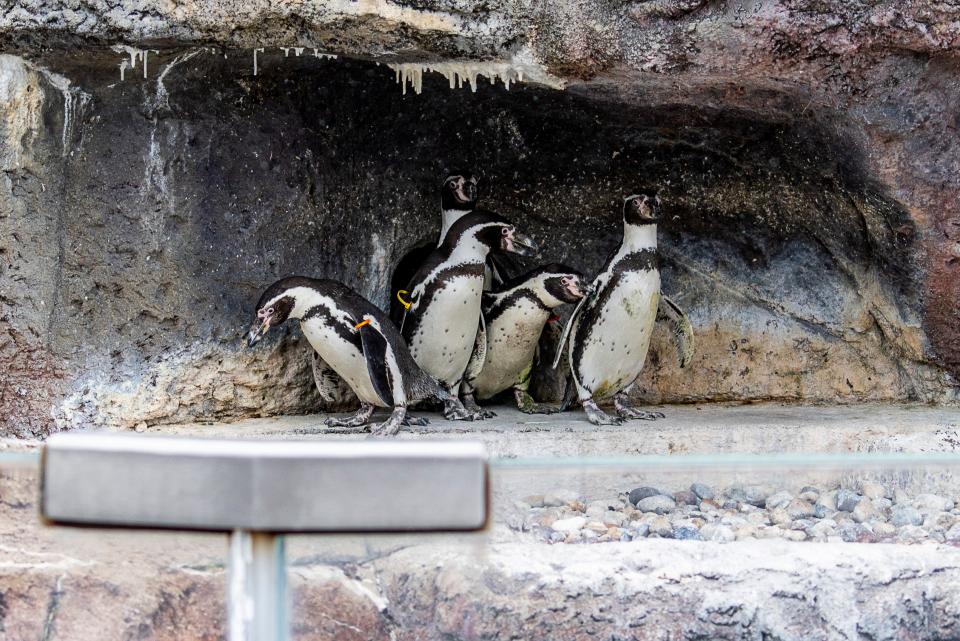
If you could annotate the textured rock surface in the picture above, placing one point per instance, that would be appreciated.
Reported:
(808, 157)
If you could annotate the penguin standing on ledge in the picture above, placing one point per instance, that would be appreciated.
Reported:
(442, 323)
(356, 340)
(610, 330)
(515, 314)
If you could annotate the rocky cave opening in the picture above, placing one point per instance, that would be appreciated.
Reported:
(145, 215)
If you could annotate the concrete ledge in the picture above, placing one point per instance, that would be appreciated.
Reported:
(687, 429)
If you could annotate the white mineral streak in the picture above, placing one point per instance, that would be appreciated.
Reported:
(162, 97)
(134, 54)
(320, 54)
(518, 69)
(260, 49)
(74, 100)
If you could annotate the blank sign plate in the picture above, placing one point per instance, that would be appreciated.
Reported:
(132, 480)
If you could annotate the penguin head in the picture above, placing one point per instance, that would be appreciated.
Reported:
(560, 284)
(275, 306)
(505, 237)
(459, 192)
(565, 285)
(552, 284)
(642, 208)
(491, 230)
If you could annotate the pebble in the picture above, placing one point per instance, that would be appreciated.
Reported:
(596, 508)
(752, 495)
(932, 503)
(911, 533)
(569, 525)
(687, 534)
(865, 511)
(872, 490)
(847, 500)
(661, 527)
(828, 500)
(558, 498)
(799, 509)
(703, 491)
(823, 529)
(874, 514)
(641, 493)
(953, 534)
(902, 514)
(779, 516)
(613, 518)
(780, 499)
(659, 503)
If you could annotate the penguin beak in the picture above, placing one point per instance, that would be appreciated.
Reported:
(257, 331)
(470, 191)
(575, 290)
(520, 244)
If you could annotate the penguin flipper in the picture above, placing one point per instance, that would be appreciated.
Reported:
(375, 349)
(682, 328)
(479, 355)
(566, 330)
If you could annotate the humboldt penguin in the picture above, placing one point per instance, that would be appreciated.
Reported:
(515, 314)
(458, 197)
(356, 340)
(459, 194)
(443, 320)
(609, 332)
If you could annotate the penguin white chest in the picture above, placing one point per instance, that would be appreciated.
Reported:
(445, 335)
(615, 347)
(511, 344)
(345, 358)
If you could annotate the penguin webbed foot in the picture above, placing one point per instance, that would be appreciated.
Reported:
(415, 421)
(470, 404)
(392, 425)
(597, 416)
(453, 410)
(627, 411)
(359, 419)
(527, 404)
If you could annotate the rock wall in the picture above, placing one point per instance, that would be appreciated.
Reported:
(808, 159)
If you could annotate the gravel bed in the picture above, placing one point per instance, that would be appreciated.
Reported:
(872, 513)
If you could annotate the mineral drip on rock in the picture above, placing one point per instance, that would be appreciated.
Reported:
(460, 72)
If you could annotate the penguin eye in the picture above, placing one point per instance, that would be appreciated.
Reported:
(505, 231)
(270, 311)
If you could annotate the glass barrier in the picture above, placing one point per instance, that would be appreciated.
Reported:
(602, 547)
(77, 583)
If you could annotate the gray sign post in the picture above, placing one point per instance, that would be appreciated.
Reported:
(259, 490)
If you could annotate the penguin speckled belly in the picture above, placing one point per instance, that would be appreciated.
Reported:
(515, 314)
(442, 322)
(610, 330)
(355, 339)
